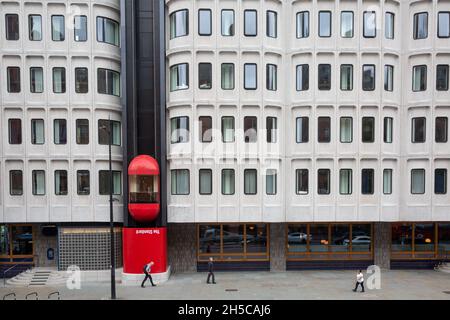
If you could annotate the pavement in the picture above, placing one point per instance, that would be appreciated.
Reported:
(291, 285)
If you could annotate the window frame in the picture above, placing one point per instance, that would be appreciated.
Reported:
(179, 128)
(391, 14)
(33, 190)
(10, 182)
(390, 181)
(445, 180)
(424, 129)
(446, 129)
(256, 22)
(222, 181)
(274, 137)
(256, 181)
(67, 177)
(199, 78)
(7, 15)
(296, 76)
(256, 76)
(307, 129)
(328, 88)
(331, 23)
(9, 131)
(187, 76)
(82, 16)
(350, 181)
(78, 176)
(275, 15)
(340, 129)
(445, 66)
(63, 80)
(426, 77)
(54, 132)
(385, 123)
(345, 65)
(201, 135)
(438, 31)
(106, 82)
(328, 172)
(64, 26)
(372, 88)
(222, 26)
(76, 130)
(8, 79)
(386, 77)
(210, 181)
(221, 75)
(364, 24)
(222, 129)
(111, 136)
(372, 185)
(353, 23)
(103, 30)
(372, 119)
(33, 120)
(76, 81)
(424, 180)
(415, 36)
(274, 68)
(199, 20)
(297, 171)
(275, 180)
(31, 79)
(296, 24)
(109, 185)
(29, 27)
(318, 128)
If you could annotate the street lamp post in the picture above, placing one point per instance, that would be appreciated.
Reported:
(111, 216)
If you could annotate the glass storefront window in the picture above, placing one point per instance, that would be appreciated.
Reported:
(233, 238)
(424, 237)
(256, 238)
(444, 237)
(401, 237)
(22, 240)
(318, 238)
(4, 240)
(340, 235)
(361, 237)
(297, 238)
(209, 239)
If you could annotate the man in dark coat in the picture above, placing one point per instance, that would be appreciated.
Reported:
(211, 271)
(147, 270)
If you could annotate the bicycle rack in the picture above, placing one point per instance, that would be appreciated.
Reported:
(9, 294)
(32, 293)
(54, 293)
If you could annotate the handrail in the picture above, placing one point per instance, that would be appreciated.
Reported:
(35, 293)
(6, 271)
(9, 294)
(56, 292)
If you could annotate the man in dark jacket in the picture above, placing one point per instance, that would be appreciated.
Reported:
(211, 271)
(147, 270)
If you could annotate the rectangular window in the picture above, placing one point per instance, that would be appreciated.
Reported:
(345, 181)
(302, 129)
(346, 77)
(36, 80)
(419, 78)
(418, 130)
(15, 182)
(442, 77)
(440, 181)
(324, 23)
(205, 75)
(83, 183)
(388, 129)
(250, 129)
(37, 131)
(35, 27)
(227, 129)
(324, 78)
(204, 22)
(388, 77)
(417, 181)
(389, 25)
(15, 131)
(370, 24)
(387, 181)
(205, 128)
(80, 28)
(302, 80)
(205, 181)
(227, 23)
(81, 80)
(179, 128)
(250, 23)
(301, 181)
(108, 82)
(271, 77)
(12, 26)
(104, 182)
(250, 181)
(271, 181)
(13, 75)
(61, 183)
(303, 24)
(271, 129)
(346, 131)
(367, 181)
(368, 83)
(347, 24)
(323, 181)
(368, 129)
(59, 80)
(420, 28)
(38, 182)
(179, 77)
(108, 31)
(104, 127)
(441, 129)
(82, 131)
(227, 76)
(444, 25)
(250, 75)
(324, 129)
(227, 181)
(60, 131)
(271, 24)
(58, 28)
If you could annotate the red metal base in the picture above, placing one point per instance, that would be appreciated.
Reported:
(142, 245)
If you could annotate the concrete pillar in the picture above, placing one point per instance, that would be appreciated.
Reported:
(382, 244)
(182, 247)
(277, 247)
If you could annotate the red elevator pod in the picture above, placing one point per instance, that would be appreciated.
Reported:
(144, 194)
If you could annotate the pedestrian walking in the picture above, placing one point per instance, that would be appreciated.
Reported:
(359, 281)
(211, 271)
(147, 271)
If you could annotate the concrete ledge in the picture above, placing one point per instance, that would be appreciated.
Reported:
(133, 279)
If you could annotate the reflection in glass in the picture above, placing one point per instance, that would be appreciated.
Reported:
(319, 238)
(4, 240)
(22, 240)
(444, 238)
(401, 237)
(209, 239)
(297, 238)
(340, 234)
(424, 237)
(324, 24)
(347, 24)
(143, 189)
(361, 237)
(256, 238)
(233, 238)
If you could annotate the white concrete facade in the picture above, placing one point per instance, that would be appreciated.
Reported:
(286, 104)
(24, 105)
